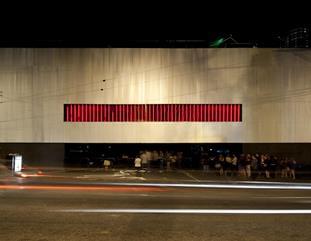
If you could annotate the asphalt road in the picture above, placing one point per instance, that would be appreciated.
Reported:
(34, 211)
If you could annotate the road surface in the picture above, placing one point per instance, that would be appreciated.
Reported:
(36, 210)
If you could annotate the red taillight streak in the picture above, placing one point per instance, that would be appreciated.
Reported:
(84, 188)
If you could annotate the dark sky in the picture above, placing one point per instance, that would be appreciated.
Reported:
(246, 36)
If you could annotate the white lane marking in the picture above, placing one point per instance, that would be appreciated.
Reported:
(135, 178)
(95, 176)
(190, 211)
(230, 186)
(189, 175)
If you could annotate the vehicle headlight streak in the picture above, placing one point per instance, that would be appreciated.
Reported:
(189, 211)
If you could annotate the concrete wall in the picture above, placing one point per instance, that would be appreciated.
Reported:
(273, 85)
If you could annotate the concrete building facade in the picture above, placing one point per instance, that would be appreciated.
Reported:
(273, 86)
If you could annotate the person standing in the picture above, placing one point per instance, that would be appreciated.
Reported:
(292, 168)
(248, 163)
(254, 166)
(234, 165)
(143, 158)
(205, 164)
(228, 165)
(221, 161)
(284, 167)
(137, 163)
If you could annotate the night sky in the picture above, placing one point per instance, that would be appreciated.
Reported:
(170, 36)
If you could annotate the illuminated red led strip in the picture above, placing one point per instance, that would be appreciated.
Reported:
(153, 113)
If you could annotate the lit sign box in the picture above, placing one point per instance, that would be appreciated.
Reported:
(17, 163)
(153, 113)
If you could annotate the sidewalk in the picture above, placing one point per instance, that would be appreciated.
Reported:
(145, 175)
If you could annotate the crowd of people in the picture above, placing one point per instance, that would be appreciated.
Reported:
(250, 166)
(164, 160)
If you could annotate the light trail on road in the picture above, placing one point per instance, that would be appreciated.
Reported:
(189, 211)
(82, 188)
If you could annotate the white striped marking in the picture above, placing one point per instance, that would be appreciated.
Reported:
(190, 211)
(189, 175)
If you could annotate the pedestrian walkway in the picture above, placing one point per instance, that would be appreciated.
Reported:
(145, 175)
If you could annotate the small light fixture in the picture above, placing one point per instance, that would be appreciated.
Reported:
(101, 89)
